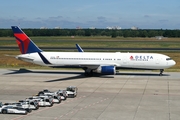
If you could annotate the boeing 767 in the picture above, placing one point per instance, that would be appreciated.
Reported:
(91, 62)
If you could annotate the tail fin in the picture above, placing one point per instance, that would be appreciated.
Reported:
(26, 45)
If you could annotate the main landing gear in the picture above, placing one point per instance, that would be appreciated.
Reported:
(161, 72)
(88, 73)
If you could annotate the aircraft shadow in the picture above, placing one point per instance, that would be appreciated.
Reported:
(142, 74)
(80, 75)
(21, 71)
(67, 78)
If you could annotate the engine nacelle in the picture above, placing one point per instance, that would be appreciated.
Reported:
(106, 70)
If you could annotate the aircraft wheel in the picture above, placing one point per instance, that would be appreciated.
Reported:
(89, 74)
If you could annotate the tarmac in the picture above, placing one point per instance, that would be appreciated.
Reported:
(129, 95)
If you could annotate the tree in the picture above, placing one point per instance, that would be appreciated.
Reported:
(113, 35)
(143, 33)
(80, 32)
(87, 33)
(126, 33)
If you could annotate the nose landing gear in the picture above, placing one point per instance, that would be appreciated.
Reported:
(161, 72)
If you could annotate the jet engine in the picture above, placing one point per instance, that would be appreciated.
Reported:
(106, 70)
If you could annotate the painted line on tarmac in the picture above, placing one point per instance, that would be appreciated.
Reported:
(82, 108)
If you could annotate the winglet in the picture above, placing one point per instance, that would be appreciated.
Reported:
(26, 45)
(79, 48)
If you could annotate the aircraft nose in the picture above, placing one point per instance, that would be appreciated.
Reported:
(173, 62)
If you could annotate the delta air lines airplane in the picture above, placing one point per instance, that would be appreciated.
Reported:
(91, 62)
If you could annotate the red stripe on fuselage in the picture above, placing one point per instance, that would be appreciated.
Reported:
(24, 39)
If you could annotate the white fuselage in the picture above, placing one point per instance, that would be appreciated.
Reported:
(93, 60)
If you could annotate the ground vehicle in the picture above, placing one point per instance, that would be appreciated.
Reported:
(32, 104)
(56, 97)
(71, 91)
(2, 106)
(19, 105)
(12, 109)
(62, 93)
(42, 101)
(52, 98)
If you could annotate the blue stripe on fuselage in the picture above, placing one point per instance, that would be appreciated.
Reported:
(44, 59)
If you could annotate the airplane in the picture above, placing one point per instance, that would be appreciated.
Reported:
(105, 63)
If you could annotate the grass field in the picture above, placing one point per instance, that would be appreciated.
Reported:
(96, 42)
(101, 42)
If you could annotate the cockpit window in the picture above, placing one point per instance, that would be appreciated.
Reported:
(168, 58)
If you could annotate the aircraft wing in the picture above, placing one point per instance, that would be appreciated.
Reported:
(95, 66)
(79, 48)
(85, 65)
